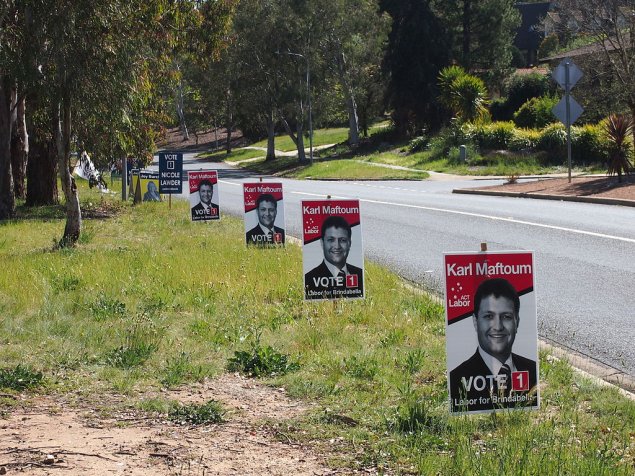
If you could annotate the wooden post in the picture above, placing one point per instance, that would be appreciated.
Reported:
(483, 247)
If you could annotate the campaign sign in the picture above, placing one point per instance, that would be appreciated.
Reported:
(491, 331)
(264, 214)
(204, 195)
(332, 252)
(170, 170)
(147, 187)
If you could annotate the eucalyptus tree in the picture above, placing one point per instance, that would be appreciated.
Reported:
(355, 37)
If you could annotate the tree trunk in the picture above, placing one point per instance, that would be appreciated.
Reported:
(19, 148)
(467, 21)
(180, 111)
(300, 142)
(41, 173)
(271, 137)
(230, 120)
(351, 106)
(62, 133)
(7, 197)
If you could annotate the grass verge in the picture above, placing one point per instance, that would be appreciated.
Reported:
(150, 299)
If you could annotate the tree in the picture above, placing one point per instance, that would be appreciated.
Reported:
(482, 33)
(612, 24)
(417, 50)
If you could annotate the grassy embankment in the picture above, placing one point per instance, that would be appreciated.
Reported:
(340, 161)
(149, 299)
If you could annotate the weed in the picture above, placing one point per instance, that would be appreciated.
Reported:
(261, 362)
(141, 343)
(414, 361)
(20, 378)
(194, 414)
(415, 417)
(105, 307)
(179, 370)
(362, 368)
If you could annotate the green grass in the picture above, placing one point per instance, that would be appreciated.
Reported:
(331, 169)
(236, 155)
(320, 137)
(152, 300)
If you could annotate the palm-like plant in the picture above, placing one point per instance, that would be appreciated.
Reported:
(618, 130)
(463, 93)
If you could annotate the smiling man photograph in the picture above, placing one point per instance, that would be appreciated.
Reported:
(265, 232)
(334, 273)
(494, 376)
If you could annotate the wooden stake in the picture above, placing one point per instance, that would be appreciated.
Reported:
(483, 247)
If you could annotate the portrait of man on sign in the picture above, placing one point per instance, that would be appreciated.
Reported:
(334, 272)
(494, 376)
(265, 232)
(205, 209)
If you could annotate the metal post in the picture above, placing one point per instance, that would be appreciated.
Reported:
(124, 179)
(308, 92)
(567, 90)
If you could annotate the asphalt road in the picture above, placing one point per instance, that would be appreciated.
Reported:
(584, 253)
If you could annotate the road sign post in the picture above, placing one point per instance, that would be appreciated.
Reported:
(567, 74)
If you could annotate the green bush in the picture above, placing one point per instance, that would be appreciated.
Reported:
(261, 362)
(522, 87)
(20, 378)
(553, 140)
(589, 144)
(548, 46)
(496, 135)
(524, 139)
(210, 412)
(536, 112)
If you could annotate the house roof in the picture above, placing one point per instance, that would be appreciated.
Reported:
(593, 48)
(528, 37)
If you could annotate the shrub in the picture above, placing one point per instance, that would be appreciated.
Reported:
(548, 46)
(261, 362)
(20, 378)
(618, 131)
(536, 112)
(210, 412)
(523, 139)
(553, 140)
(496, 135)
(522, 87)
(418, 143)
(588, 144)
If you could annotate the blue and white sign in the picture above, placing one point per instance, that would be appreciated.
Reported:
(170, 172)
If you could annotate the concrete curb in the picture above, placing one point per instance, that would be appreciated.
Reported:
(544, 196)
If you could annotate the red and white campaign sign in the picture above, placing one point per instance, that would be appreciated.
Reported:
(204, 197)
(491, 331)
(264, 213)
(332, 252)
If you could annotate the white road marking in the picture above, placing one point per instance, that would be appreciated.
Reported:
(489, 217)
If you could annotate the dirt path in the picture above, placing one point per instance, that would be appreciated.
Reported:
(49, 437)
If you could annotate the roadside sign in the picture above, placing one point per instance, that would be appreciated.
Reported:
(264, 214)
(170, 172)
(560, 73)
(332, 252)
(560, 110)
(204, 197)
(491, 331)
(146, 187)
